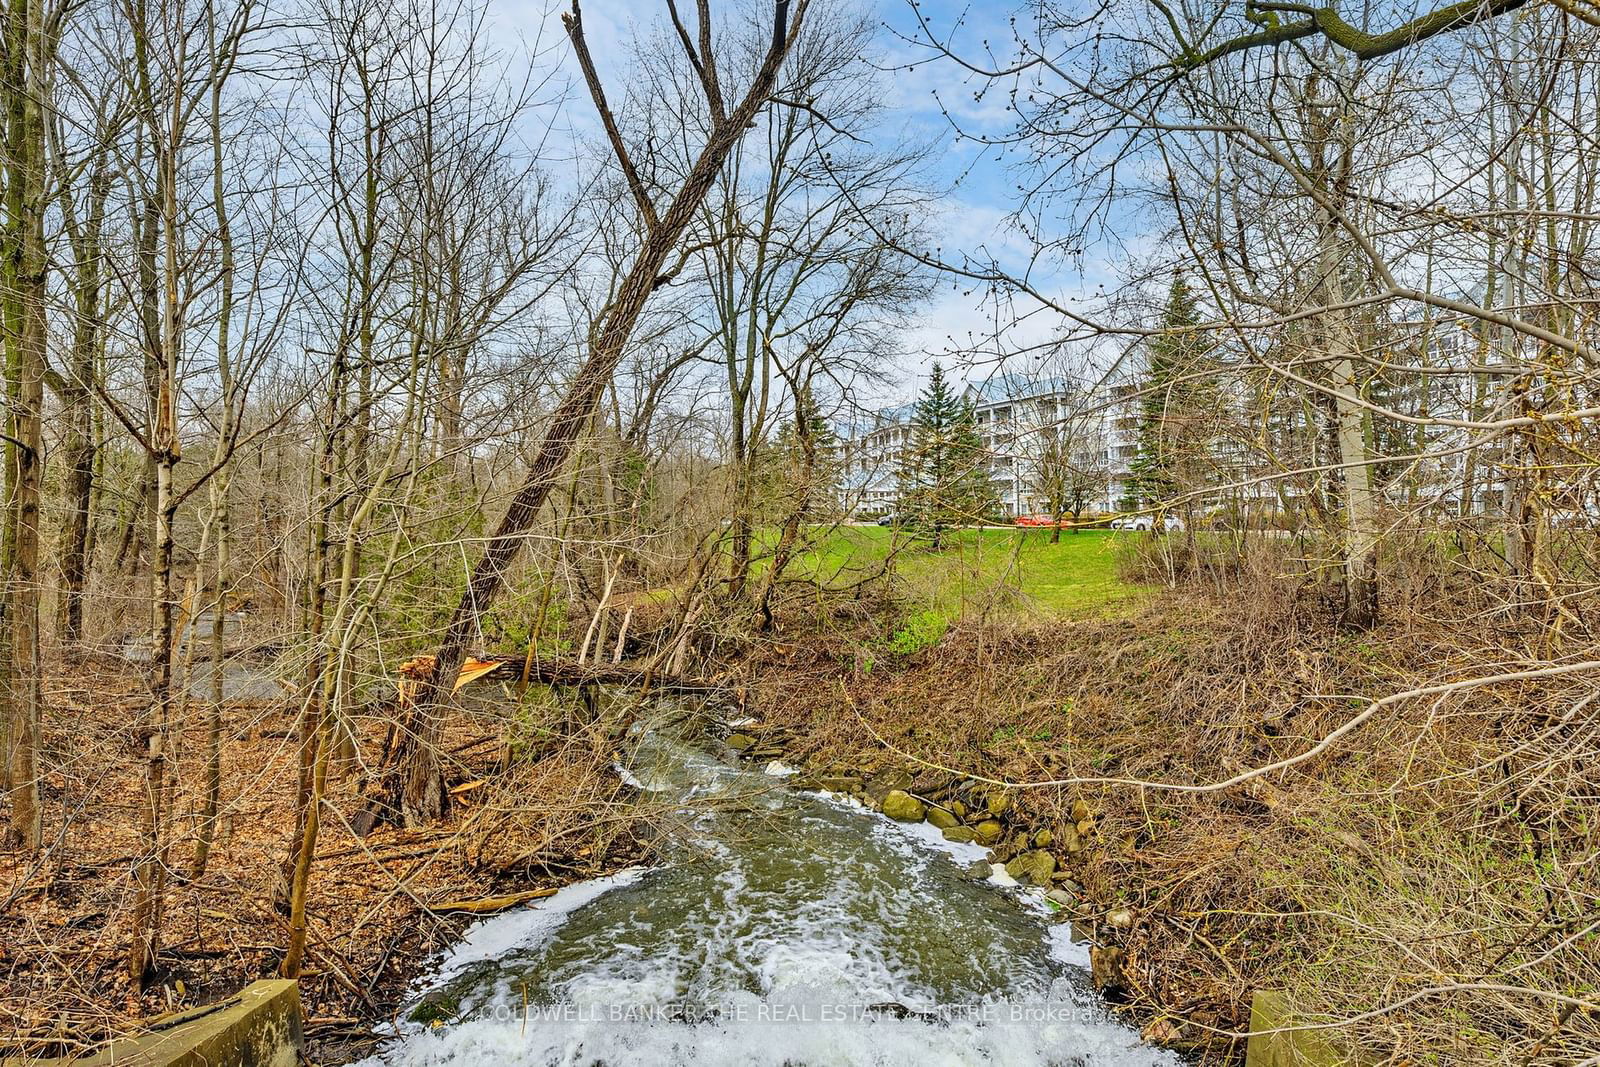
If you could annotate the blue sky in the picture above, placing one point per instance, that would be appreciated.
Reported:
(980, 182)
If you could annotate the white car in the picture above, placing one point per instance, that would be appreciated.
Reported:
(1170, 524)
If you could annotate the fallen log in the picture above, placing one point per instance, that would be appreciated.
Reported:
(490, 905)
(560, 672)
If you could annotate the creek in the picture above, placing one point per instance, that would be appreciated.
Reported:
(780, 928)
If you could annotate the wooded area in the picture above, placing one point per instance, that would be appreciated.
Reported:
(360, 359)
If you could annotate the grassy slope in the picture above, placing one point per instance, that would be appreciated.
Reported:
(1400, 858)
(979, 569)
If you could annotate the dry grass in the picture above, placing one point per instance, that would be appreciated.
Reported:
(1445, 848)
(547, 817)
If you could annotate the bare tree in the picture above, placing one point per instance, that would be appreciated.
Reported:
(1065, 460)
(174, 67)
(788, 248)
(420, 794)
(29, 33)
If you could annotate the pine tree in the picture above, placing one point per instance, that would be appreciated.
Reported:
(1179, 399)
(944, 481)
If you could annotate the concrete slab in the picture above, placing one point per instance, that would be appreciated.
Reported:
(257, 1027)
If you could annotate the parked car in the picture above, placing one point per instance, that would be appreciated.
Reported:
(888, 519)
(1170, 524)
(1038, 520)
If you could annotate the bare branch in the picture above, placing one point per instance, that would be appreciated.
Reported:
(573, 21)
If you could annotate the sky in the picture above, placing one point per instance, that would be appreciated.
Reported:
(959, 326)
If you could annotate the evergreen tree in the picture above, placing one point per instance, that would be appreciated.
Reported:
(805, 457)
(1178, 408)
(944, 481)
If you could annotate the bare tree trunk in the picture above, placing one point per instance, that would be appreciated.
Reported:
(417, 791)
(309, 727)
(219, 490)
(81, 447)
(804, 491)
(152, 871)
(739, 532)
(128, 542)
(78, 455)
(1361, 546)
(211, 788)
(1331, 136)
(24, 272)
(161, 313)
(344, 623)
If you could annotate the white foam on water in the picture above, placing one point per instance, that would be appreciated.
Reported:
(628, 777)
(807, 1009)
(925, 835)
(782, 1038)
(1063, 949)
(497, 935)
(998, 875)
(733, 959)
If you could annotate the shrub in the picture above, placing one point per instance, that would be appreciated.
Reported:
(921, 631)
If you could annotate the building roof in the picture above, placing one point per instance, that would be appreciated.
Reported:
(1004, 386)
(999, 388)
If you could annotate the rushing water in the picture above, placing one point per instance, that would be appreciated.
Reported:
(783, 928)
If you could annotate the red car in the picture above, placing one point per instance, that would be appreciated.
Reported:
(1037, 520)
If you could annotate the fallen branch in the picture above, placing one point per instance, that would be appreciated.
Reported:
(490, 905)
(557, 672)
(1327, 742)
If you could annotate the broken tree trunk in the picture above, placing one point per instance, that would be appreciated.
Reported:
(415, 782)
(414, 672)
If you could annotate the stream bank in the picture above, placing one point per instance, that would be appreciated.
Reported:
(1191, 899)
(779, 925)
(1004, 843)
(381, 906)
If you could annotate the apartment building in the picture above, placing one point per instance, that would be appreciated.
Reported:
(872, 449)
(1011, 412)
(1264, 456)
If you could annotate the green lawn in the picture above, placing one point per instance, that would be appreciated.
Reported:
(998, 571)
